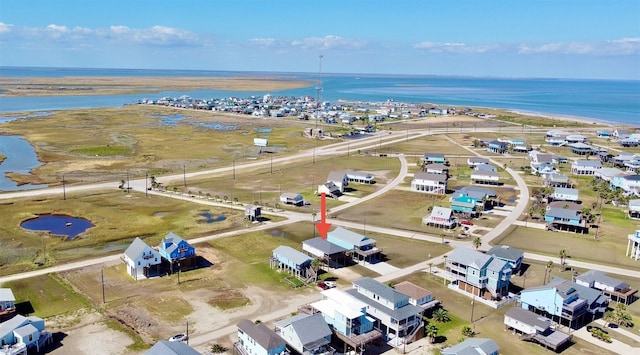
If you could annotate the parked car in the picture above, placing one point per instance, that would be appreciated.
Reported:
(330, 284)
(179, 337)
(323, 285)
(467, 223)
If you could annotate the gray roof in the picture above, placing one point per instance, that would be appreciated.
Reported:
(478, 160)
(433, 155)
(485, 167)
(591, 163)
(431, 177)
(333, 188)
(436, 166)
(586, 293)
(469, 257)
(381, 290)
(312, 330)
(565, 204)
(136, 248)
(558, 177)
(16, 322)
(291, 254)
(506, 252)
(324, 246)
(350, 237)
(565, 191)
(399, 313)
(265, 337)
(336, 175)
(609, 172)
(473, 346)
(529, 318)
(497, 264)
(564, 213)
(599, 276)
(579, 145)
(441, 212)
(540, 158)
(484, 173)
(7, 295)
(165, 347)
(26, 330)
(475, 192)
(353, 174)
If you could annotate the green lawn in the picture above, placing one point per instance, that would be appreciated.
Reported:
(48, 294)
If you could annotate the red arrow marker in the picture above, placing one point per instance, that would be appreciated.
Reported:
(323, 226)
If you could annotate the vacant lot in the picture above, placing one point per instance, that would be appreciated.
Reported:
(117, 217)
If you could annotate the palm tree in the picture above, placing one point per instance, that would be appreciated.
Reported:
(441, 315)
(430, 265)
(153, 182)
(563, 256)
(208, 196)
(217, 197)
(175, 190)
(547, 270)
(235, 199)
(315, 265)
(225, 198)
(609, 317)
(622, 317)
(477, 242)
(442, 236)
(431, 331)
(121, 186)
(467, 331)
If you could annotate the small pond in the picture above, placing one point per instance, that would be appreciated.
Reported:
(5, 119)
(56, 224)
(20, 158)
(211, 218)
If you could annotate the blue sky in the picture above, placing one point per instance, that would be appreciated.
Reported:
(502, 38)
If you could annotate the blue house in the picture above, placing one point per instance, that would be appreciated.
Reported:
(257, 339)
(292, 261)
(364, 248)
(479, 274)
(177, 250)
(22, 332)
(497, 147)
(564, 300)
(434, 158)
(566, 219)
(464, 204)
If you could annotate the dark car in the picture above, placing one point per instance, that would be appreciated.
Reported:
(322, 285)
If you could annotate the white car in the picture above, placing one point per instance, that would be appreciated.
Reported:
(330, 284)
(179, 337)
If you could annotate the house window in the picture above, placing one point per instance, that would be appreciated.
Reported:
(138, 263)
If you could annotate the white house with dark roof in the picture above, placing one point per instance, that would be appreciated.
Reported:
(436, 169)
(534, 327)
(565, 194)
(613, 288)
(140, 259)
(441, 217)
(329, 189)
(479, 274)
(394, 315)
(257, 339)
(511, 255)
(306, 334)
(473, 346)
(585, 167)
(485, 177)
(429, 182)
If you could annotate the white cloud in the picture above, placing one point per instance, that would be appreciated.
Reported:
(328, 42)
(455, 47)
(625, 46)
(5, 28)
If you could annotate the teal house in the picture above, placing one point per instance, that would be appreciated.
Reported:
(464, 204)
(177, 250)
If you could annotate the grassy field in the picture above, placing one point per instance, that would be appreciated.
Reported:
(88, 145)
(80, 85)
(488, 323)
(149, 218)
(49, 295)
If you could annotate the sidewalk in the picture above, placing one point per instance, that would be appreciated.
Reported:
(615, 346)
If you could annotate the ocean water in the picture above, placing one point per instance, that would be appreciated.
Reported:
(615, 101)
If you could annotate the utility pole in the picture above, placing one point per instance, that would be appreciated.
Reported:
(271, 164)
(146, 188)
(104, 300)
(128, 187)
(234, 168)
(184, 175)
(319, 92)
(64, 191)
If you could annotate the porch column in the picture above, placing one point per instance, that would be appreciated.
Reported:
(628, 244)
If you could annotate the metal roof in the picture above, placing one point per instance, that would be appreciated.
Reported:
(599, 276)
(529, 318)
(430, 177)
(324, 246)
(506, 252)
(350, 237)
(136, 248)
(473, 346)
(7, 295)
(381, 290)
(399, 313)
(265, 337)
(469, 257)
(291, 254)
(165, 347)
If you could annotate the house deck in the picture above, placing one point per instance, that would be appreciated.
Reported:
(359, 340)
